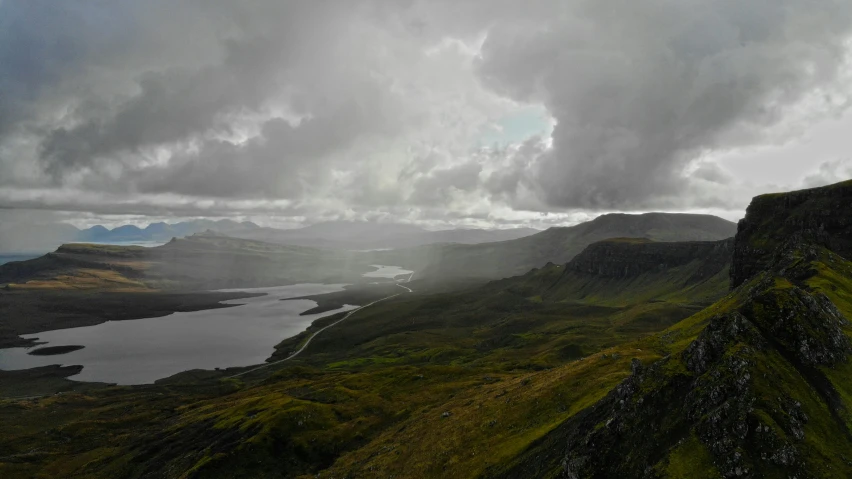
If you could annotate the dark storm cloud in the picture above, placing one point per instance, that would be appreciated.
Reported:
(439, 186)
(638, 88)
(179, 103)
(277, 163)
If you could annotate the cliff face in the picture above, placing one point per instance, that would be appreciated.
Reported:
(819, 216)
(755, 386)
(622, 258)
(558, 245)
(624, 271)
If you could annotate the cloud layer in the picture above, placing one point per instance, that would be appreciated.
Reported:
(377, 108)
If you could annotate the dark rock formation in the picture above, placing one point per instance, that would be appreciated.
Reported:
(629, 257)
(818, 216)
(746, 388)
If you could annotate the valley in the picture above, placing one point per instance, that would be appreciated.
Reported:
(526, 376)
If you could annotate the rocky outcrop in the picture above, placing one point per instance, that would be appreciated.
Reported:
(630, 257)
(745, 392)
(816, 216)
(752, 425)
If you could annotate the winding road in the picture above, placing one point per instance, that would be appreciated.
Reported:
(350, 313)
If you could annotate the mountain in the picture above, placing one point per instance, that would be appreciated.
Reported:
(355, 235)
(557, 245)
(160, 232)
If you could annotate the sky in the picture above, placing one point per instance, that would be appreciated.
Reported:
(442, 113)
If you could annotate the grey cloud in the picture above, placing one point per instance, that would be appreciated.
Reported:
(440, 184)
(829, 172)
(713, 173)
(639, 88)
(275, 164)
(179, 103)
(336, 107)
(510, 180)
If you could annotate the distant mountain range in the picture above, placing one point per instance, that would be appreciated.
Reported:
(26, 237)
(23, 237)
(161, 231)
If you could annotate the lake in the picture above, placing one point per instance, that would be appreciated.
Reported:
(387, 272)
(144, 350)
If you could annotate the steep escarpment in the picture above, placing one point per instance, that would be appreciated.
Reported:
(757, 385)
(818, 216)
(626, 270)
(629, 257)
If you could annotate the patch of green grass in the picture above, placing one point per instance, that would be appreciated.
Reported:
(690, 459)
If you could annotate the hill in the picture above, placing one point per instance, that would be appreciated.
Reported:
(201, 261)
(557, 245)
